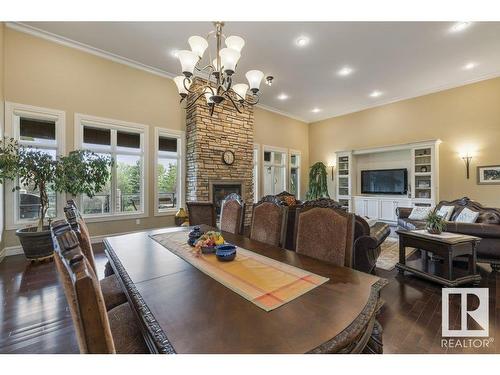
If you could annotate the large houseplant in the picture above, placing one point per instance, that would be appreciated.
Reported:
(318, 187)
(81, 172)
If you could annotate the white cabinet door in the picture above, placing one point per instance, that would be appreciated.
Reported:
(360, 206)
(387, 210)
(372, 210)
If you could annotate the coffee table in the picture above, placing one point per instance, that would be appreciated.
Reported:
(446, 245)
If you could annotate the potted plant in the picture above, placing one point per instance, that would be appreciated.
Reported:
(81, 172)
(434, 223)
(318, 187)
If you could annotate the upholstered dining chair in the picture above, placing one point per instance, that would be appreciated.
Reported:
(110, 285)
(201, 213)
(232, 214)
(98, 331)
(293, 204)
(325, 232)
(269, 219)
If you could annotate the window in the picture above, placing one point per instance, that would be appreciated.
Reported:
(274, 172)
(169, 171)
(295, 173)
(124, 194)
(40, 129)
(255, 176)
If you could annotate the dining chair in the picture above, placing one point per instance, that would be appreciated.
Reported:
(232, 214)
(110, 285)
(293, 204)
(98, 331)
(325, 232)
(201, 213)
(269, 220)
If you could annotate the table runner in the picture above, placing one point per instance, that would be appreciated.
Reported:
(264, 281)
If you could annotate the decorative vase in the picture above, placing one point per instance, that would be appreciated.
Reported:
(433, 230)
(180, 217)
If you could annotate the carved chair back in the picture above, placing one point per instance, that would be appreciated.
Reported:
(325, 232)
(269, 220)
(232, 214)
(77, 223)
(201, 213)
(82, 291)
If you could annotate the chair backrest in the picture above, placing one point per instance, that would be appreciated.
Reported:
(201, 213)
(82, 291)
(77, 223)
(325, 233)
(232, 214)
(269, 219)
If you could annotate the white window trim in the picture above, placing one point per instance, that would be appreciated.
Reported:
(258, 162)
(299, 167)
(181, 136)
(13, 113)
(107, 123)
(266, 148)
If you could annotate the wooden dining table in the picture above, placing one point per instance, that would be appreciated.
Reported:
(183, 310)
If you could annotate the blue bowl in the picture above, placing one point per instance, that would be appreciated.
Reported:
(226, 252)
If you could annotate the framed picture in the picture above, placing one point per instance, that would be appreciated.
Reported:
(488, 175)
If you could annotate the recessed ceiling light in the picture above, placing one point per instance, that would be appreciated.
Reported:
(375, 94)
(469, 66)
(315, 110)
(460, 26)
(345, 71)
(302, 41)
(282, 96)
(174, 53)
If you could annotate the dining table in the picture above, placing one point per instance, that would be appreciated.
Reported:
(181, 309)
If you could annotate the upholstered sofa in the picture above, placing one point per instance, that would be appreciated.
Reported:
(487, 226)
(367, 243)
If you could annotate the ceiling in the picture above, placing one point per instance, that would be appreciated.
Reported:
(399, 59)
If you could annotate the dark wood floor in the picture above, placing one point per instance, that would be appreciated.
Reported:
(35, 317)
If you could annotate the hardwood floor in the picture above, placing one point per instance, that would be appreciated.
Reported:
(35, 318)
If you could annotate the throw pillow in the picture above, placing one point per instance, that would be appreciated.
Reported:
(445, 212)
(419, 213)
(467, 216)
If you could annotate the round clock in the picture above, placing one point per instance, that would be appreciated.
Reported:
(228, 157)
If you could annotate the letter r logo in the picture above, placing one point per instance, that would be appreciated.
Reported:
(478, 315)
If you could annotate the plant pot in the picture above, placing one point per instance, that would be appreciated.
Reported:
(434, 231)
(36, 245)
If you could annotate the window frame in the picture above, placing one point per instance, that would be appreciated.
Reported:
(181, 177)
(114, 125)
(13, 114)
(257, 169)
(267, 148)
(298, 153)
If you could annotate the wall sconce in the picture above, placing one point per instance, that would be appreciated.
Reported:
(332, 166)
(466, 157)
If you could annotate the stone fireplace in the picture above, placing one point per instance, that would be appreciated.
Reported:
(208, 178)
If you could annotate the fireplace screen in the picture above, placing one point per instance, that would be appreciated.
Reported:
(220, 192)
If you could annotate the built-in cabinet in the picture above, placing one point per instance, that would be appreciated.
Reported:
(421, 160)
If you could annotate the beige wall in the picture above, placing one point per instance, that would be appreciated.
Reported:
(2, 31)
(273, 129)
(464, 117)
(46, 74)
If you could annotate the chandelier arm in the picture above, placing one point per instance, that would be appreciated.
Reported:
(194, 101)
(184, 84)
(232, 101)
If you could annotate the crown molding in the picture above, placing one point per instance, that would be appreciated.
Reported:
(34, 31)
(417, 94)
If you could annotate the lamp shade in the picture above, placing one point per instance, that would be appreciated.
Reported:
(254, 78)
(208, 95)
(198, 45)
(188, 61)
(179, 82)
(241, 89)
(235, 42)
(229, 58)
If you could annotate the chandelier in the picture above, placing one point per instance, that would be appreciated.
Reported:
(217, 73)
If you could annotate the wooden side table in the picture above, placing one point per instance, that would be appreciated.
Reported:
(446, 245)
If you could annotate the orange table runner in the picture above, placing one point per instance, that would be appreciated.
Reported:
(262, 280)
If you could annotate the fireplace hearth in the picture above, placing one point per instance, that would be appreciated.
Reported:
(219, 190)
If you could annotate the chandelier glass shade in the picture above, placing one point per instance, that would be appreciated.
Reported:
(217, 74)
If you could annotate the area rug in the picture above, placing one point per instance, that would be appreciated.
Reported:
(389, 255)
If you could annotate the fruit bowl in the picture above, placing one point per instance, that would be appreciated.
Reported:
(226, 252)
(207, 242)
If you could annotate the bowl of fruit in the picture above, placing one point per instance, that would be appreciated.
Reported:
(207, 242)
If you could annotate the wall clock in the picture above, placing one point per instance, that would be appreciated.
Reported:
(228, 157)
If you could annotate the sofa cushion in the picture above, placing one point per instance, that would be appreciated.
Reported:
(419, 213)
(467, 216)
(445, 212)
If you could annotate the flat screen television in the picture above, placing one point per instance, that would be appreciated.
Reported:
(384, 181)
